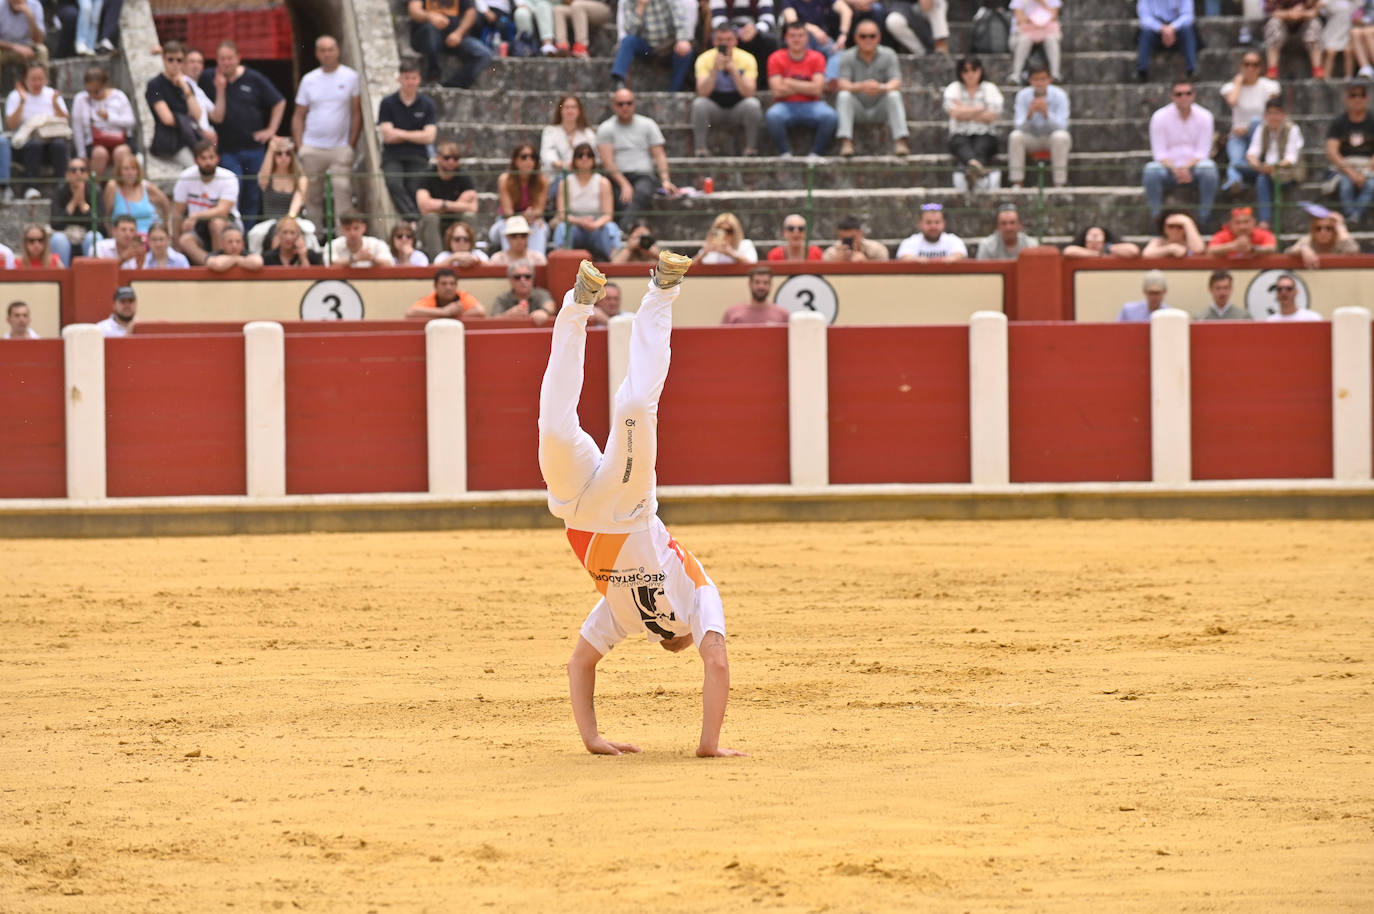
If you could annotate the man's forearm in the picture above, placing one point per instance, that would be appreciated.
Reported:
(581, 689)
(715, 693)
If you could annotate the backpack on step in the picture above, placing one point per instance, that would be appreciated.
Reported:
(991, 33)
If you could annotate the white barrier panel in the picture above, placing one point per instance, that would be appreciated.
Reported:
(617, 354)
(446, 406)
(83, 371)
(264, 396)
(1171, 409)
(808, 399)
(1351, 435)
(989, 420)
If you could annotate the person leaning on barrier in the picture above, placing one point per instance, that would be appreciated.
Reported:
(524, 298)
(447, 300)
(325, 127)
(1100, 241)
(794, 245)
(852, 245)
(204, 203)
(931, 243)
(1220, 286)
(1241, 237)
(233, 252)
(356, 248)
(1154, 285)
(1326, 236)
(1178, 237)
(289, 247)
(1008, 240)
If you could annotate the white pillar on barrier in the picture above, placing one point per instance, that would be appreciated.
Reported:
(617, 353)
(808, 399)
(1351, 433)
(1171, 409)
(446, 406)
(989, 404)
(83, 369)
(264, 408)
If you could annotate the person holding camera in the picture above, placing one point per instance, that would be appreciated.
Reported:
(640, 245)
(727, 86)
(853, 246)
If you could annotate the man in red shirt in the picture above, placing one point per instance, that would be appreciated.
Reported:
(1241, 237)
(794, 245)
(796, 77)
(758, 309)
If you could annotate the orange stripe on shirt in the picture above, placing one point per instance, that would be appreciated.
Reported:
(689, 563)
(601, 554)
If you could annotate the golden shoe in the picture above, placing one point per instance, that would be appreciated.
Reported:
(671, 268)
(591, 284)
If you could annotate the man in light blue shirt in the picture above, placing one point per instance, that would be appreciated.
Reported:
(1040, 121)
(1165, 24)
(1154, 286)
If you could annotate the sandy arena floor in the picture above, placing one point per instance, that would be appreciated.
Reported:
(999, 716)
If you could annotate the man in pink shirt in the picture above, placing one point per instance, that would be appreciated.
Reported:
(1181, 147)
(758, 309)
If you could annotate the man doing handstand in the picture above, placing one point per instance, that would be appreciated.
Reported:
(648, 582)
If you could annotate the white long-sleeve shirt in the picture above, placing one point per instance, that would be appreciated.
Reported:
(119, 115)
(1272, 156)
(1176, 140)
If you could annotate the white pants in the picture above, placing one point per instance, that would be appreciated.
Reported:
(1058, 143)
(615, 491)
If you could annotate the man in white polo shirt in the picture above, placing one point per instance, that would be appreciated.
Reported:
(326, 125)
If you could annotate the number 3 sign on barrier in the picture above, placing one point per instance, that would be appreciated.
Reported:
(331, 300)
(808, 292)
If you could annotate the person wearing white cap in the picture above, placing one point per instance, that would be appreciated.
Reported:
(1154, 286)
(121, 319)
(519, 251)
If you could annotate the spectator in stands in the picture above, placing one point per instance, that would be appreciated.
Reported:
(631, 150)
(282, 187)
(121, 319)
(727, 87)
(447, 26)
(583, 14)
(1362, 39)
(36, 254)
(725, 243)
(406, 121)
(1040, 121)
(1036, 23)
(586, 208)
(102, 121)
(1337, 18)
(1100, 241)
(1181, 149)
(177, 113)
(71, 215)
(289, 247)
(248, 110)
(1241, 237)
(752, 21)
(909, 27)
(796, 77)
(1165, 24)
(518, 248)
(640, 245)
(37, 118)
(6, 258)
(233, 253)
(1350, 150)
(1221, 308)
(973, 105)
(648, 26)
(17, 316)
(460, 247)
(1285, 18)
(757, 309)
(524, 298)
(194, 66)
(160, 255)
(1008, 240)
(932, 243)
(325, 127)
(1178, 237)
(821, 22)
(124, 245)
(1285, 290)
(129, 193)
(204, 203)
(852, 246)
(356, 248)
(794, 246)
(447, 300)
(1275, 155)
(22, 33)
(109, 25)
(403, 249)
(522, 189)
(1326, 235)
(1154, 286)
(444, 197)
(1246, 94)
(870, 89)
(607, 308)
(568, 128)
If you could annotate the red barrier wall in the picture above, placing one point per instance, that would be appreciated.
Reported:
(1261, 397)
(355, 413)
(33, 420)
(1080, 402)
(723, 414)
(899, 404)
(174, 416)
(504, 370)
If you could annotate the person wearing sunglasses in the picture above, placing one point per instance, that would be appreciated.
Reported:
(794, 246)
(586, 207)
(1246, 95)
(523, 298)
(403, 248)
(36, 254)
(632, 153)
(460, 247)
(870, 90)
(1181, 152)
(176, 111)
(1289, 298)
(725, 243)
(1326, 236)
(522, 190)
(70, 216)
(445, 197)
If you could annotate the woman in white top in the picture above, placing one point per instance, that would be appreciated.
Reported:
(725, 243)
(568, 128)
(585, 207)
(1275, 154)
(403, 247)
(1037, 22)
(1246, 94)
(102, 121)
(973, 105)
(460, 247)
